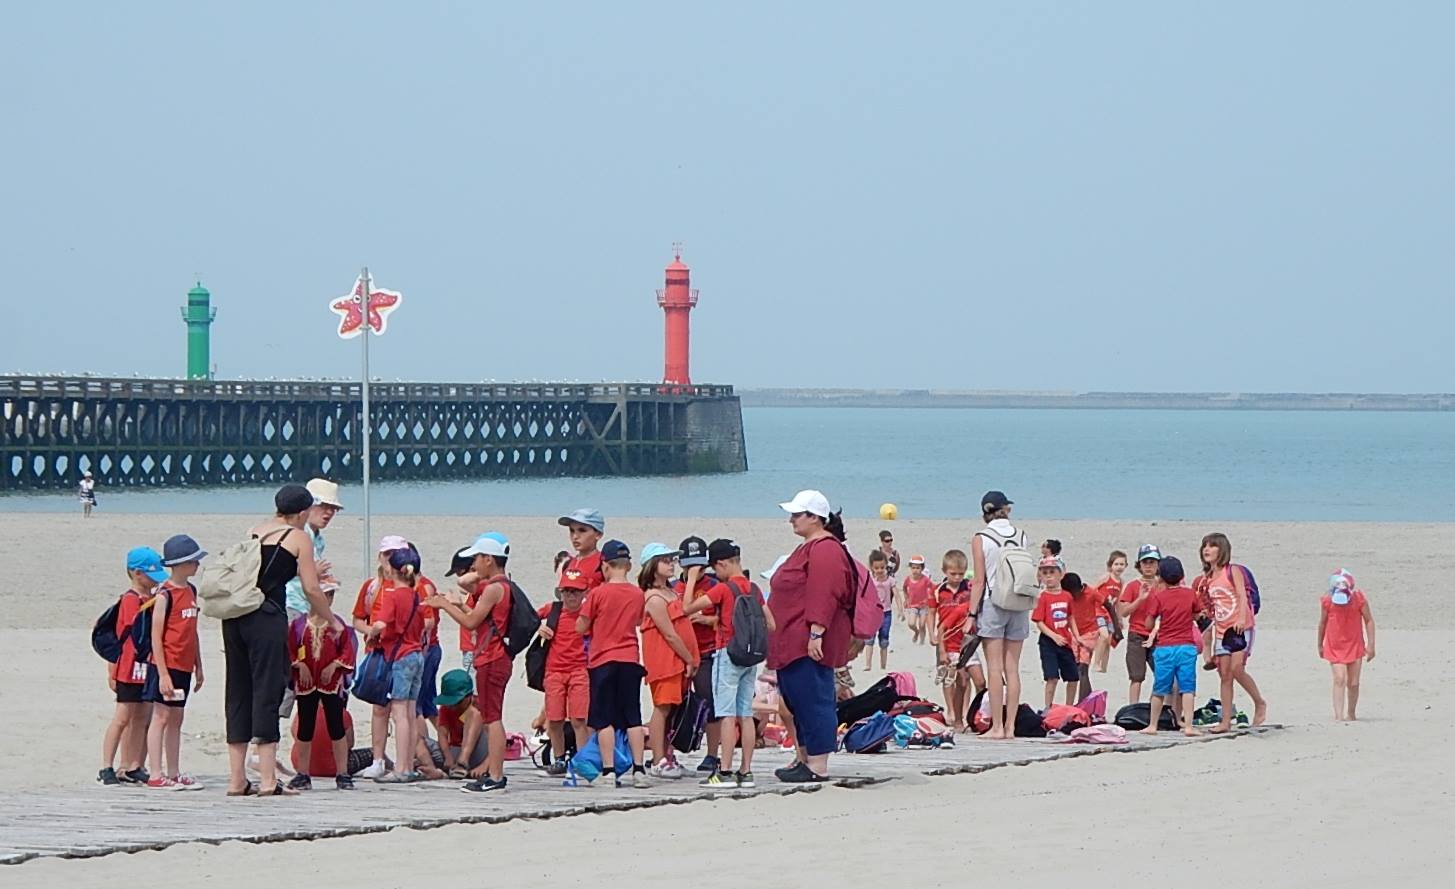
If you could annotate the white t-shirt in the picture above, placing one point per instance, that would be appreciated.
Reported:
(1002, 529)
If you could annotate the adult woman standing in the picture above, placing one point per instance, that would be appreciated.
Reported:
(811, 590)
(256, 644)
(1002, 633)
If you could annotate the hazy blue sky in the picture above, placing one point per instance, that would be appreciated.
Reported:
(1144, 196)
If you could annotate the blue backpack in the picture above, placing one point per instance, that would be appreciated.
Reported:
(1254, 598)
(587, 761)
(870, 735)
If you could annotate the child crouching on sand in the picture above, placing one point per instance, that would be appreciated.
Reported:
(1346, 640)
(1175, 609)
(176, 660)
(324, 653)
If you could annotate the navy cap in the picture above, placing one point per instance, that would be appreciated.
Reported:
(1170, 569)
(694, 552)
(613, 550)
(994, 500)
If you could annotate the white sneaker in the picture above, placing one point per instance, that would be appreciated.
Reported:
(185, 781)
(375, 769)
(672, 770)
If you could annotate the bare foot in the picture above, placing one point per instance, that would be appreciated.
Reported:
(1260, 712)
(1192, 732)
(1352, 718)
(1149, 730)
(1221, 728)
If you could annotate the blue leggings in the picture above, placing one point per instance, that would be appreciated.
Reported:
(807, 687)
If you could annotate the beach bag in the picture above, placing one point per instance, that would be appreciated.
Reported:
(228, 586)
(520, 625)
(1064, 718)
(1016, 587)
(517, 747)
(870, 735)
(375, 676)
(539, 650)
(688, 723)
(1094, 705)
(1099, 734)
(749, 644)
(1255, 598)
(587, 761)
(881, 696)
(904, 684)
(104, 640)
(1135, 717)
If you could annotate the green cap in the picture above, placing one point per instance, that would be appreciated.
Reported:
(455, 686)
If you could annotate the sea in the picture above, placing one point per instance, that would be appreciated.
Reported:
(936, 463)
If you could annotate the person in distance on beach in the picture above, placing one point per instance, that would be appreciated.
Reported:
(87, 494)
(1225, 596)
(813, 631)
(585, 527)
(1051, 548)
(695, 581)
(488, 584)
(1346, 640)
(1135, 607)
(916, 591)
(1174, 613)
(1003, 632)
(609, 620)
(884, 584)
(891, 555)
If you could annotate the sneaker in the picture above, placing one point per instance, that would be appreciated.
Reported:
(107, 777)
(185, 781)
(375, 770)
(301, 782)
(135, 776)
(800, 774)
(719, 781)
(745, 779)
(343, 782)
(483, 785)
(640, 780)
(556, 769)
(162, 782)
(709, 764)
(672, 771)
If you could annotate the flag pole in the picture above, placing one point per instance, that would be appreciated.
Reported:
(367, 427)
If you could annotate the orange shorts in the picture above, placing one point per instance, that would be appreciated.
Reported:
(668, 692)
(568, 696)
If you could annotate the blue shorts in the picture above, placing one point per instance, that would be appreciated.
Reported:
(732, 686)
(1174, 663)
(884, 627)
(427, 683)
(807, 688)
(404, 677)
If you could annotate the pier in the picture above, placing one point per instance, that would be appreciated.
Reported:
(156, 432)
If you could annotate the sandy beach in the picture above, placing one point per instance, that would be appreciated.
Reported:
(1320, 803)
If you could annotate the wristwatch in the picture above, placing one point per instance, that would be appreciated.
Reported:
(813, 635)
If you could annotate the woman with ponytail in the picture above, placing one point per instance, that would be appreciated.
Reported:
(398, 627)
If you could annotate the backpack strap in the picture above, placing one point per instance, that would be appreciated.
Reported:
(413, 607)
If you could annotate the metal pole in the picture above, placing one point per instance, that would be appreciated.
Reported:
(367, 426)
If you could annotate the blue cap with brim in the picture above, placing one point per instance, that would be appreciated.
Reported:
(652, 550)
(588, 517)
(148, 561)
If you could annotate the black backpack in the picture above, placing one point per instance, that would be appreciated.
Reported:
(520, 625)
(749, 645)
(539, 650)
(1135, 717)
(879, 697)
(104, 640)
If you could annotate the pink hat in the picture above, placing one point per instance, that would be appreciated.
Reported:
(391, 542)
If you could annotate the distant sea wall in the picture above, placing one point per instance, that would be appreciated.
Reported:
(1248, 401)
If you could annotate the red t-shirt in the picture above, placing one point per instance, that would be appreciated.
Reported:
(1053, 609)
(426, 588)
(332, 645)
(127, 668)
(1176, 607)
(723, 597)
(179, 636)
(615, 611)
(917, 592)
(1085, 610)
(489, 644)
(452, 725)
(590, 567)
(568, 647)
(1344, 629)
(1140, 620)
(366, 605)
(706, 633)
(396, 603)
(952, 625)
(1110, 589)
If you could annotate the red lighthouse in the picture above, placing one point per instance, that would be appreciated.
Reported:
(677, 301)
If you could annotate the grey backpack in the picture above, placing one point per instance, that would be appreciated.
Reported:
(749, 645)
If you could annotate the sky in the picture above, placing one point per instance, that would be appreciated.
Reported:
(1056, 196)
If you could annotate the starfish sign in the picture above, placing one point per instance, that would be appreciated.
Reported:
(350, 309)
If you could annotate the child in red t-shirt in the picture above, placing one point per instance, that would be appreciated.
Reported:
(176, 659)
(952, 611)
(128, 728)
(609, 620)
(568, 687)
(1088, 620)
(917, 589)
(1052, 615)
(398, 630)
(1346, 640)
(1109, 591)
(669, 651)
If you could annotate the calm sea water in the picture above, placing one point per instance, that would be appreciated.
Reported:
(935, 463)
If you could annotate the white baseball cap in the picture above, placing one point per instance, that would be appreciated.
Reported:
(808, 501)
(491, 544)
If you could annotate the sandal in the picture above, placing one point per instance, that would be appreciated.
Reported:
(250, 790)
(278, 790)
(458, 773)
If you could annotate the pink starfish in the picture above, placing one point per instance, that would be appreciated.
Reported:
(351, 314)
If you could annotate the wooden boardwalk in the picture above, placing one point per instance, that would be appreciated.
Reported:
(90, 820)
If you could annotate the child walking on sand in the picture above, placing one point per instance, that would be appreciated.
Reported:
(324, 653)
(176, 659)
(1346, 640)
(1174, 613)
(669, 651)
(128, 729)
(917, 589)
(884, 585)
(1225, 593)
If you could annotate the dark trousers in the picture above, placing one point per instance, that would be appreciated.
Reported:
(256, 650)
(333, 714)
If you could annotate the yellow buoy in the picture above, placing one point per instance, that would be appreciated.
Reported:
(888, 512)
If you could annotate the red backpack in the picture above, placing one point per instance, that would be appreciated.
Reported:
(1064, 717)
(866, 615)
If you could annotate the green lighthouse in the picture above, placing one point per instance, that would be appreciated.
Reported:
(199, 315)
